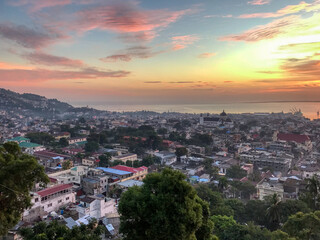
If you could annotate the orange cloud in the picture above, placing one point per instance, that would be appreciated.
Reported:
(125, 17)
(9, 66)
(268, 31)
(128, 54)
(17, 75)
(51, 60)
(259, 2)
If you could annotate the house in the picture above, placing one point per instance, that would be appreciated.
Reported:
(90, 161)
(270, 186)
(125, 157)
(167, 158)
(26, 145)
(48, 200)
(60, 135)
(96, 182)
(302, 141)
(51, 159)
(30, 147)
(138, 173)
(123, 173)
(77, 140)
(96, 206)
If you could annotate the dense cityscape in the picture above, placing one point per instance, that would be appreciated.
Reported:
(254, 170)
(159, 120)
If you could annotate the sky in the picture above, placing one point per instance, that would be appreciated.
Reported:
(161, 52)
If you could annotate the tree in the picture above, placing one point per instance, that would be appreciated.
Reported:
(63, 142)
(164, 206)
(236, 172)
(273, 212)
(181, 151)
(312, 196)
(209, 169)
(54, 230)
(40, 137)
(104, 160)
(91, 147)
(223, 183)
(290, 207)
(18, 175)
(303, 226)
(66, 165)
(227, 228)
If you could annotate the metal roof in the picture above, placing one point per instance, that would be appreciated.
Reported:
(114, 171)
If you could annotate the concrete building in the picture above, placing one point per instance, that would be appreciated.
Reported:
(267, 187)
(48, 200)
(96, 206)
(125, 157)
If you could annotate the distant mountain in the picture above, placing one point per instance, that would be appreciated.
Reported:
(31, 103)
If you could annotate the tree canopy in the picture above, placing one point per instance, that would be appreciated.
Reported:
(18, 174)
(166, 206)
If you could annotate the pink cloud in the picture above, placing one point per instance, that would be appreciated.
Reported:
(128, 54)
(268, 31)
(126, 17)
(207, 55)
(180, 42)
(290, 9)
(29, 37)
(51, 60)
(38, 5)
(259, 2)
(36, 75)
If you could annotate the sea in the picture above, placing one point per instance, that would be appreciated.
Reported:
(309, 109)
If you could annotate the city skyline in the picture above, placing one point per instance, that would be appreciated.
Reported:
(134, 52)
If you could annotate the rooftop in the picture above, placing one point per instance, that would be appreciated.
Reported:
(55, 189)
(114, 171)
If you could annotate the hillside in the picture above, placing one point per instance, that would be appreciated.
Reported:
(31, 103)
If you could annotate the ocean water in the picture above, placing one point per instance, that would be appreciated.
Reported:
(309, 109)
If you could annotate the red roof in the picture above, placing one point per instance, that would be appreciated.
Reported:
(53, 180)
(129, 169)
(55, 189)
(289, 137)
(49, 154)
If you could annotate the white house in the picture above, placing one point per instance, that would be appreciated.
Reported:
(96, 206)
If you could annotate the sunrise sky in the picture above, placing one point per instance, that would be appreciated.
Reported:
(159, 52)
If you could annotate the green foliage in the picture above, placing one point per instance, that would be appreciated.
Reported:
(312, 197)
(303, 226)
(105, 160)
(166, 206)
(273, 212)
(91, 147)
(66, 165)
(181, 151)
(40, 138)
(18, 174)
(235, 172)
(54, 230)
(226, 228)
(209, 168)
(63, 142)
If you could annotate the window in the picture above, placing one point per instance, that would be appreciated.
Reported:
(67, 198)
(50, 205)
(59, 201)
(36, 200)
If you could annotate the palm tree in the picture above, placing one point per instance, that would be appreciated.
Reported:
(273, 212)
(313, 187)
(223, 183)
